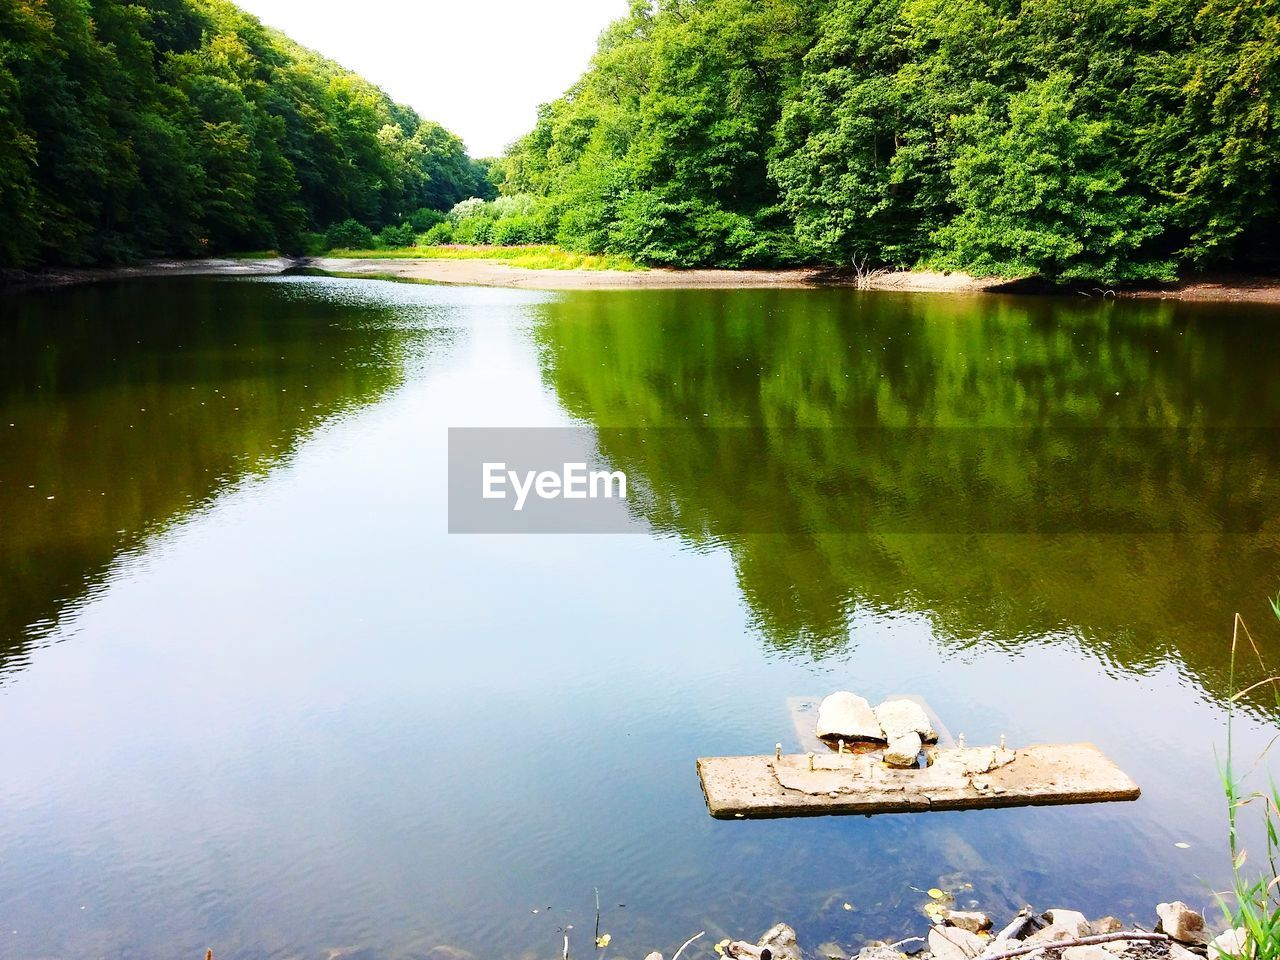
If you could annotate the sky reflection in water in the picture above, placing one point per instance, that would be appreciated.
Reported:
(292, 714)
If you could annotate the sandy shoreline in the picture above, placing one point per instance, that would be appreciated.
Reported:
(493, 273)
(206, 267)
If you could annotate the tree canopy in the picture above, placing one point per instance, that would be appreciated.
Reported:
(185, 126)
(1091, 139)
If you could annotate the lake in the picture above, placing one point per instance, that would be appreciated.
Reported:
(255, 696)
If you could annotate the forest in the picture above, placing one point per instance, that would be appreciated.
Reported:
(1075, 140)
(1106, 140)
(184, 127)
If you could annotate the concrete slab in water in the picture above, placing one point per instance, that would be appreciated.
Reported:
(959, 779)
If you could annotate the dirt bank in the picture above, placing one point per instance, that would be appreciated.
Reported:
(493, 273)
(207, 267)
(1230, 288)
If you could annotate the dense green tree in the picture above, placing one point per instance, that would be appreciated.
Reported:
(140, 127)
(1073, 139)
(661, 149)
(860, 154)
(1040, 193)
(1208, 127)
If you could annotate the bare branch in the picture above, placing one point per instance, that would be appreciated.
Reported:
(686, 943)
(1078, 942)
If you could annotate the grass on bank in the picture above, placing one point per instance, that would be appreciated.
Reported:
(534, 257)
(1253, 903)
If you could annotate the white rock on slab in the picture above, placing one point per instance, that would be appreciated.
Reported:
(904, 751)
(847, 716)
(897, 718)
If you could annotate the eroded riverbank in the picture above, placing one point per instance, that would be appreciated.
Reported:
(494, 273)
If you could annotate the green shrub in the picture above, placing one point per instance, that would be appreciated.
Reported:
(439, 234)
(350, 234)
(517, 220)
(656, 228)
(516, 205)
(468, 209)
(520, 230)
(474, 229)
(424, 218)
(400, 235)
(313, 243)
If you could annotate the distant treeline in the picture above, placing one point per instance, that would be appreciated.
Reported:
(180, 127)
(1087, 139)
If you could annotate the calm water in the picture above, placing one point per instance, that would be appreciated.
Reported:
(253, 695)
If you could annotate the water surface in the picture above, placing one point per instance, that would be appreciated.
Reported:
(254, 696)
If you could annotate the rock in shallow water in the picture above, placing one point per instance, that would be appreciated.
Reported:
(897, 718)
(780, 941)
(971, 920)
(847, 716)
(1181, 922)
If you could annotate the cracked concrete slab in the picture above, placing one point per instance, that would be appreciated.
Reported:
(960, 778)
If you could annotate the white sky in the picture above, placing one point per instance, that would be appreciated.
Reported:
(480, 67)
